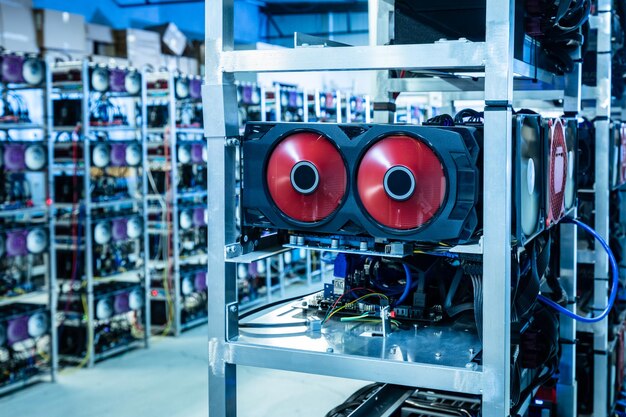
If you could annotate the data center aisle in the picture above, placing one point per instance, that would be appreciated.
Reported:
(170, 379)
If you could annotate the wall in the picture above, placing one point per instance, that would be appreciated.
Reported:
(188, 17)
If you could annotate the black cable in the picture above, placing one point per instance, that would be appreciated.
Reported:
(528, 391)
(273, 304)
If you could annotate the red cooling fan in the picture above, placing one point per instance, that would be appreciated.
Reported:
(401, 182)
(306, 177)
(557, 172)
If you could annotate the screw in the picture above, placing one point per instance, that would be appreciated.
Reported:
(330, 350)
(437, 355)
(245, 238)
(334, 243)
(470, 365)
(363, 246)
(233, 309)
(471, 351)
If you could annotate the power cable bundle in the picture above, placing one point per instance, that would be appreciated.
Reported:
(556, 25)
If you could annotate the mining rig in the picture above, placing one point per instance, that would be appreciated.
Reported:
(453, 242)
(99, 205)
(27, 280)
(177, 222)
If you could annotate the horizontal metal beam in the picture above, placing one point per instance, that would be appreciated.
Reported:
(464, 84)
(354, 367)
(463, 56)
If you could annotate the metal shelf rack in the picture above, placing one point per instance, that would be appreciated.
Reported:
(19, 215)
(80, 284)
(499, 80)
(168, 202)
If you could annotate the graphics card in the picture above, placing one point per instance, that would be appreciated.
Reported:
(390, 182)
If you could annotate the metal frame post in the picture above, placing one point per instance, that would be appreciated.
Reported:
(174, 204)
(144, 207)
(567, 388)
(602, 196)
(497, 207)
(220, 121)
(86, 206)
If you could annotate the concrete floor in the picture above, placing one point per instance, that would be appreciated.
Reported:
(170, 379)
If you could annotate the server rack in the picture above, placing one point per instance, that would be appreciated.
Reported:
(169, 201)
(76, 132)
(501, 72)
(40, 297)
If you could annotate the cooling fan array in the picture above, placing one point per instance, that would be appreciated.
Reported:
(117, 229)
(23, 156)
(116, 154)
(409, 183)
(412, 183)
(21, 321)
(22, 69)
(22, 242)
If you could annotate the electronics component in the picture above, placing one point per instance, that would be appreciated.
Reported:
(69, 189)
(125, 81)
(556, 170)
(193, 230)
(22, 321)
(67, 112)
(571, 141)
(305, 180)
(117, 315)
(182, 88)
(18, 69)
(291, 103)
(99, 78)
(327, 106)
(158, 115)
(21, 242)
(24, 342)
(116, 154)
(193, 289)
(420, 403)
(249, 99)
(23, 156)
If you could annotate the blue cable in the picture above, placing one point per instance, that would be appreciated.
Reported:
(614, 286)
(407, 287)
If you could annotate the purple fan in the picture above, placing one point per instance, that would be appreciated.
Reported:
(117, 80)
(17, 330)
(119, 229)
(122, 303)
(16, 243)
(14, 159)
(195, 88)
(118, 154)
(12, 69)
(200, 281)
(293, 99)
(196, 153)
(247, 94)
(199, 219)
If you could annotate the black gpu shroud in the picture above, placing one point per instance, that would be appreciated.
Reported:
(458, 152)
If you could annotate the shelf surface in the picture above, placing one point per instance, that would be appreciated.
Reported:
(427, 344)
